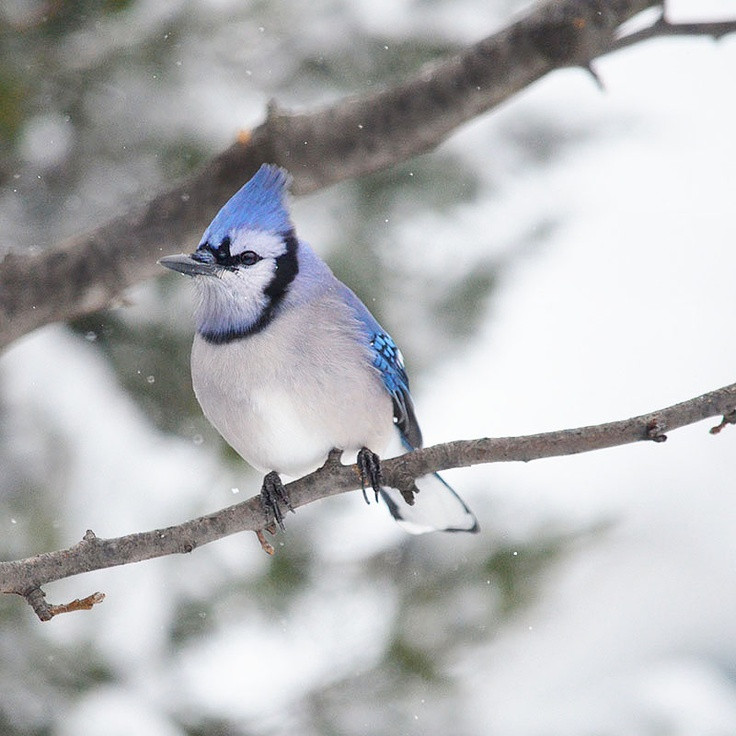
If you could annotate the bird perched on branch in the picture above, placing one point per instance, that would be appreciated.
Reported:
(288, 364)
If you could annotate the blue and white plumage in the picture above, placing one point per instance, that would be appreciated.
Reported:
(287, 363)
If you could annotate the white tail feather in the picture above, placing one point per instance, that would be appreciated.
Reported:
(436, 507)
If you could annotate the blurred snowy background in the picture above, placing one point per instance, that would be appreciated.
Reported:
(568, 259)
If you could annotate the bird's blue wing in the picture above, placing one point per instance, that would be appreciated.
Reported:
(387, 359)
(439, 508)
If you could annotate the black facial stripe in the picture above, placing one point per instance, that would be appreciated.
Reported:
(221, 252)
(287, 267)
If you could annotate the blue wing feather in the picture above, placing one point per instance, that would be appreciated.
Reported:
(389, 362)
(438, 507)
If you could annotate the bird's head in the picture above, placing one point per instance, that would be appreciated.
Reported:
(246, 260)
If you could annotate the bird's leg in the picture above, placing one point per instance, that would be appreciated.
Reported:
(370, 471)
(274, 496)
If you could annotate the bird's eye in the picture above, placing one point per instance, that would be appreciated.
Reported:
(248, 257)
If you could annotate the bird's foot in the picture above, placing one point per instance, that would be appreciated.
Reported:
(369, 466)
(273, 497)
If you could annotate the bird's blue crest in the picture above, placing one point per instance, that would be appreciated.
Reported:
(258, 205)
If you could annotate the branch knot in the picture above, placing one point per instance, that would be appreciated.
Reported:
(655, 430)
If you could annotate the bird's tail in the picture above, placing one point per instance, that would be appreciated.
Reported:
(436, 506)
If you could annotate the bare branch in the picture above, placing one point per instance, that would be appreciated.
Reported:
(25, 577)
(320, 147)
(353, 137)
(662, 28)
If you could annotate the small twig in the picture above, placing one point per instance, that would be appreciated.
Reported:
(591, 70)
(79, 604)
(729, 418)
(45, 611)
(266, 546)
(662, 28)
(333, 458)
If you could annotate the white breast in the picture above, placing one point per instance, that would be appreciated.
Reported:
(283, 398)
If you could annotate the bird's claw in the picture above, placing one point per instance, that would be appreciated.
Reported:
(273, 497)
(369, 466)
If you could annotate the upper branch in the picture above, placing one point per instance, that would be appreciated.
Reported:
(25, 577)
(355, 136)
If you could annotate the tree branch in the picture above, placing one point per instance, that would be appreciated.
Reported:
(25, 577)
(353, 137)
(663, 28)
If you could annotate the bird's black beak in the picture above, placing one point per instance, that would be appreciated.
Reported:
(188, 265)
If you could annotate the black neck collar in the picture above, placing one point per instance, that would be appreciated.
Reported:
(287, 267)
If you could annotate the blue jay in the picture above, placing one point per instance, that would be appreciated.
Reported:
(288, 364)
